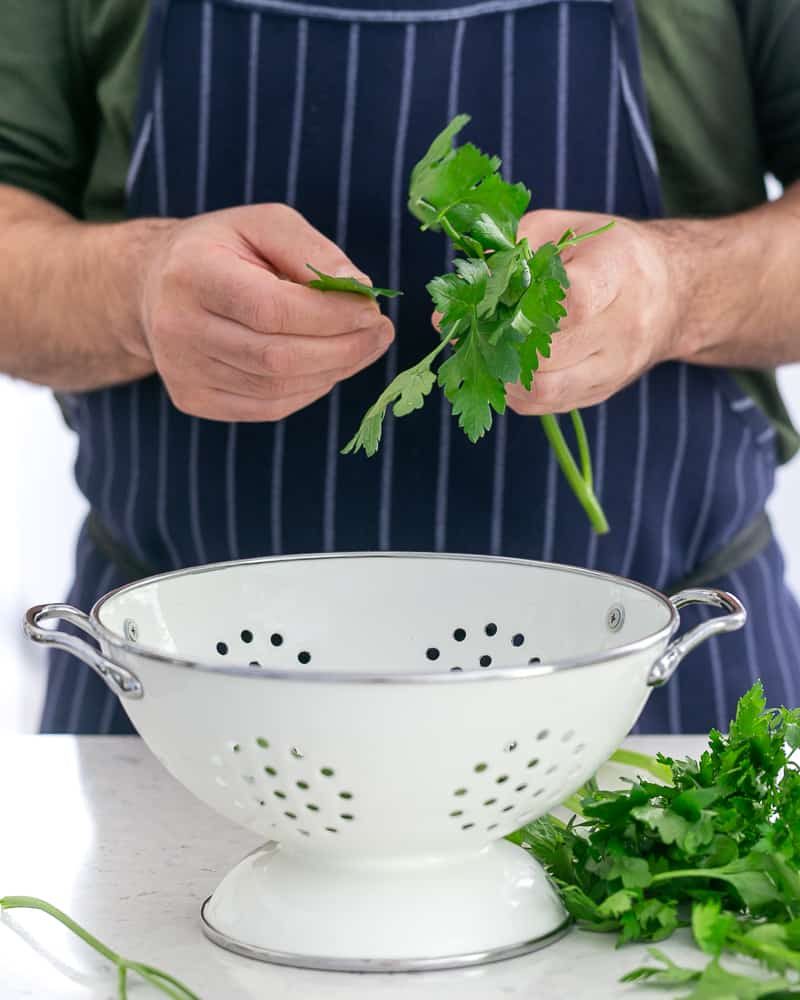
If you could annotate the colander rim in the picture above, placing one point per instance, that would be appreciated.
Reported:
(510, 672)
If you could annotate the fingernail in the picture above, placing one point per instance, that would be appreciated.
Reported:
(347, 270)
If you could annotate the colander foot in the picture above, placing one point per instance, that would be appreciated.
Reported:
(385, 915)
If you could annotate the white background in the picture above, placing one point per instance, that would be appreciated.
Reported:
(40, 509)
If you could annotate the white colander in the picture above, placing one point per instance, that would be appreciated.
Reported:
(383, 721)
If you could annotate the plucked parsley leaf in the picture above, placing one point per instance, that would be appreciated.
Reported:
(328, 283)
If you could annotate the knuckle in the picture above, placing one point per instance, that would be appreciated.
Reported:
(275, 358)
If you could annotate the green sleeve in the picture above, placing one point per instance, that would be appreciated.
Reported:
(771, 30)
(43, 100)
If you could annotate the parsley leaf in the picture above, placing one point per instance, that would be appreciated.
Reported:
(328, 283)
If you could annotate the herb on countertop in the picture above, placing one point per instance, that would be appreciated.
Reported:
(499, 308)
(167, 984)
(717, 849)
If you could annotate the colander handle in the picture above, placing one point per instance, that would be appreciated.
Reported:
(666, 665)
(122, 681)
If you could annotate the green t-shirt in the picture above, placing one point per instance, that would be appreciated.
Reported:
(722, 80)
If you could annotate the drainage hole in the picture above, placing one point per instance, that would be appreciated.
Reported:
(518, 639)
(247, 635)
(491, 629)
(432, 653)
(459, 635)
(222, 648)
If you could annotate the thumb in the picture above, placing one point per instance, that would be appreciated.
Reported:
(288, 241)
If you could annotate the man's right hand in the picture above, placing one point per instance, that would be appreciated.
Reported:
(230, 324)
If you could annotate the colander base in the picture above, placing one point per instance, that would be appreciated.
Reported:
(385, 915)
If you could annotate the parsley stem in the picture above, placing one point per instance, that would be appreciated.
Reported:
(583, 490)
(571, 238)
(583, 447)
(153, 976)
(632, 758)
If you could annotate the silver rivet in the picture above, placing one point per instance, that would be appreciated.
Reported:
(615, 618)
(131, 630)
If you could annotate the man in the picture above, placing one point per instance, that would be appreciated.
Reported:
(212, 391)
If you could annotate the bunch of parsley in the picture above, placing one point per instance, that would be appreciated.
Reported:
(499, 307)
(716, 849)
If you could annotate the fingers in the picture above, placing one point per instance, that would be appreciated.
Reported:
(217, 404)
(288, 241)
(249, 294)
(277, 387)
(584, 384)
(280, 355)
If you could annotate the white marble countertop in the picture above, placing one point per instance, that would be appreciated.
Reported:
(95, 826)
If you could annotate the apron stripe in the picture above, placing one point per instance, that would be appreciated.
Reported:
(749, 639)
(710, 483)
(397, 206)
(162, 486)
(138, 152)
(297, 112)
(252, 107)
(194, 491)
(134, 473)
(637, 119)
(562, 124)
(205, 101)
(204, 94)
(638, 481)
(292, 170)
(109, 449)
(445, 419)
(230, 491)
(342, 210)
(667, 533)
(159, 145)
(737, 521)
(506, 148)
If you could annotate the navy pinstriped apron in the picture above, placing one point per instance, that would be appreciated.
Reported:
(328, 108)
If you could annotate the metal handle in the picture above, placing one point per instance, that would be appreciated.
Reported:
(121, 680)
(666, 665)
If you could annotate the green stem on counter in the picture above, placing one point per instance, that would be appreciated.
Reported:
(160, 980)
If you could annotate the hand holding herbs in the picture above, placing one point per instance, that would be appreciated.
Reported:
(717, 849)
(499, 308)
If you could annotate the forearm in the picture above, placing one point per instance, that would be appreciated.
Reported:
(70, 314)
(737, 285)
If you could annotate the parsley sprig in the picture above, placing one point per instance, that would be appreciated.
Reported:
(716, 848)
(499, 307)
